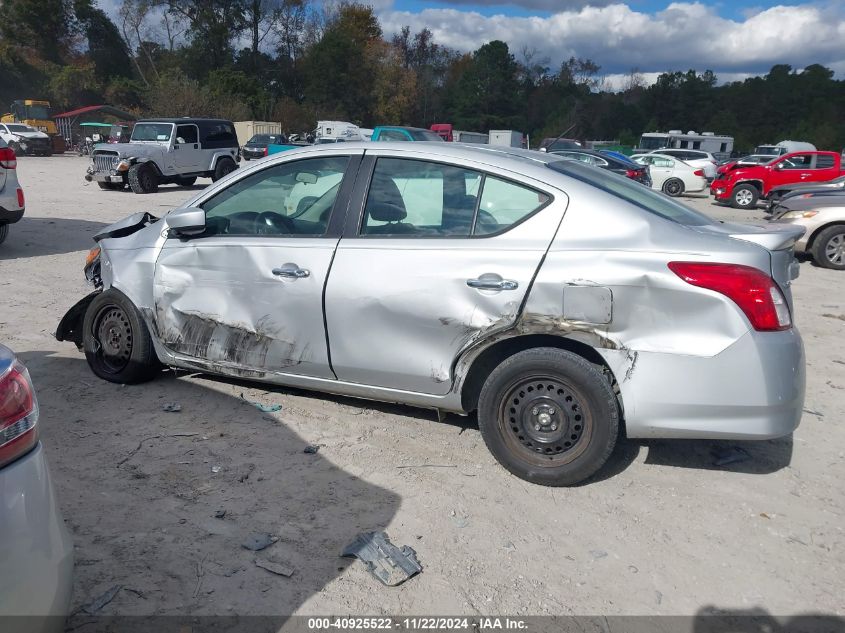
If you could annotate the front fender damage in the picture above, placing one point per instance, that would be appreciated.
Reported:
(71, 325)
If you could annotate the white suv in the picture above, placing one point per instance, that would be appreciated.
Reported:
(694, 157)
(11, 194)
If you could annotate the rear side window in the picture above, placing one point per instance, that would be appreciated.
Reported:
(824, 161)
(632, 192)
(220, 133)
(413, 198)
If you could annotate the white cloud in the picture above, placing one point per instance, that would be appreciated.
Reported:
(682, 36)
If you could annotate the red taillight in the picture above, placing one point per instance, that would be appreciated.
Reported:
(266, 151)
(8, 158)
(699, 172)
(18, 414)
(755, 292)
(634, 173)
(20, 197)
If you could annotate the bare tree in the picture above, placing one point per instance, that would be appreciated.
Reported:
(135, 15)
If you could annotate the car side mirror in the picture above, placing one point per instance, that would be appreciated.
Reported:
(779, 166)
(186, 221)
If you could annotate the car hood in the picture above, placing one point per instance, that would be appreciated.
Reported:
(129, 150)
(127, 226)
(802, 202)
(35, 134)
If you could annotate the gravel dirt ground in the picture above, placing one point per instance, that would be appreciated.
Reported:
(661, 530)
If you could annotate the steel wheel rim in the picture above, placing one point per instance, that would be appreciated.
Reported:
(113, 336)
(544, 420)
(743, 198)
(834, 250)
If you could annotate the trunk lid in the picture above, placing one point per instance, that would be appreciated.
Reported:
(778, 239)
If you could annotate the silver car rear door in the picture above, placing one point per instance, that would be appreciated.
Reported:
(401, 303)
(246, 298)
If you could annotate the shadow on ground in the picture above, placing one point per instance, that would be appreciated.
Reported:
(36, 237)
(159, 503)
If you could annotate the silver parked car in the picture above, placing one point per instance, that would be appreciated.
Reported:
(36, 552)
(556, 299)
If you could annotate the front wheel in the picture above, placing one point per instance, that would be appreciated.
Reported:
(143, 178)
(116, 341)
(745, 197)
(829, 247)
(224, 166)
(549, 416)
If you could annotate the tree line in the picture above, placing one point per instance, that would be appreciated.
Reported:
(295, 62)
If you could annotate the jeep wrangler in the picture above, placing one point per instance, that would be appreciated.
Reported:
(165, 151)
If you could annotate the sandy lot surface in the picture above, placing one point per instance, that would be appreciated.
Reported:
(661, 531)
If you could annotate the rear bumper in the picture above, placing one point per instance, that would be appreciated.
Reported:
(10, 216)
(36, 551)
(752, 390)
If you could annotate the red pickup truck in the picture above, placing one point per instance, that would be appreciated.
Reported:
(744, 186)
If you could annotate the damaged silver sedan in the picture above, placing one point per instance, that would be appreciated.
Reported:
(565, 304)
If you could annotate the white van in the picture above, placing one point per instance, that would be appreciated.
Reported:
(785, 147)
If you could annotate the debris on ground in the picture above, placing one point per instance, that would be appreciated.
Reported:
(815, 413)
(280, 569)
(598, 553)
(219, 514)
(100, 601)
(258, 542)
(172, 407)
(244, 471)
(731, 455)
(311, 449)
(390, 564)
(215, 469)
(264, 408)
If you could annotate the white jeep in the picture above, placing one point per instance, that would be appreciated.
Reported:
(164, 151)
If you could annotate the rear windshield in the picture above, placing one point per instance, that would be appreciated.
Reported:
(424, 135)
(631, 191)
(261, 139)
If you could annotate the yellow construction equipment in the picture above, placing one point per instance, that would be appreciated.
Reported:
(36, 114)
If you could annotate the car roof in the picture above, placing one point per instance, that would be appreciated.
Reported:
(184, 120)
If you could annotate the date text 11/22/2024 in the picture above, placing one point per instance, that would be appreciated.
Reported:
(417, 624)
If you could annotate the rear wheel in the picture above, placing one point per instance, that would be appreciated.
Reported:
(143, 178)
(745, 197)
(549, 416)
(673, 187)
(4, 232)
(116, 341)
(224, 166)
(829, 247)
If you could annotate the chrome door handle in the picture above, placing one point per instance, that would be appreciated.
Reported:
(492, 284)
(291, 272)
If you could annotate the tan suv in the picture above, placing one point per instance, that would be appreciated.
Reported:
(825, 235)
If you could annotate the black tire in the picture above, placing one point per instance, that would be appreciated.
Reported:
(829, 247)
(4, 232)
(15, 148)
(187, 182)
(143, 178)
(745, 197)
(549, 416)
(128, 356)
(224, 166)
(673, 187)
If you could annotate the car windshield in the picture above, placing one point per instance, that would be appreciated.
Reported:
(152, 132)
(632, 192)
(20, 128)
(424, 135)
(261, 139)
(39, 112)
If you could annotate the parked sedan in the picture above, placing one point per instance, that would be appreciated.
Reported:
(694, 157)
(622, 166)
(782, 192)
(825, 231)
(12, 202)
(545, 294)
(672, 176)
(256, 147)
(36, 552)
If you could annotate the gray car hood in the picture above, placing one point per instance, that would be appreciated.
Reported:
(33, 134)
(129, 150)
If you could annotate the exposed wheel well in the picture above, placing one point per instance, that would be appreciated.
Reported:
(494, 355)
(753, 183)
(816, 233)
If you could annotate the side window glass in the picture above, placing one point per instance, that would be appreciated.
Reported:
(504, 204)
(824, 161)
(393, 135)
(293, 198)
(186, 134)
(799, 161)
(420, 199)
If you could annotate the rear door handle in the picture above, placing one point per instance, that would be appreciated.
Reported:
(291, 271)
(492, 284)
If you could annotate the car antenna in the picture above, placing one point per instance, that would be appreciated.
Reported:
(562, 134)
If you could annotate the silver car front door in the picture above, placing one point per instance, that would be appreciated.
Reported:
(437, 256)
(187, 151)
(246, 297)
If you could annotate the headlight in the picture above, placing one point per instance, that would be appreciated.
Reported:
(123, 165)
(797, 215)
(93, 254)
